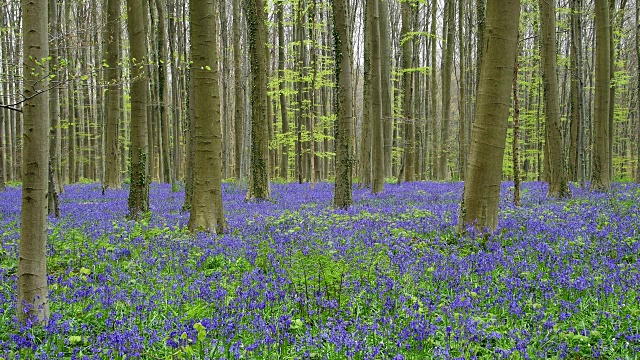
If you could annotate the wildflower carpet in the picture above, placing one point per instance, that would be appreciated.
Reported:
(294, 278)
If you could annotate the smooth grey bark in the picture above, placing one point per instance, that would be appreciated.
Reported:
(479, 206)
(284, 112)
(600, 175)
(114, 96)
(238, 96)
(377, 143)
(33, 293)
(206, 208)
(558, 181)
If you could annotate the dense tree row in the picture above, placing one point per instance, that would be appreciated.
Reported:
(312, 90)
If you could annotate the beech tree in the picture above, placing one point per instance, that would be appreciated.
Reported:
(600, 179)
(114, 96)
(558, 180)
(206, 207)
(257, 35)
(33, 292)
(343, 196)
(488, 136)
(139, 191)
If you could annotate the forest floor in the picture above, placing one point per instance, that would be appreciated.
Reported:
(295, 278)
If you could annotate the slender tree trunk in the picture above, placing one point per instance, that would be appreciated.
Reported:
(112, 49)
(343, 196)
(164, 93)
(54, 117)
(637, 43)
(32, 302)
(462, 127)
(482, 187)
(516, 133)
(600, 179)
(206, 210)
(558, 181)
(576, 154)
(139, 191)
(257, 35)
(55, 147)
(407, 96)
(239, 96)
(367, 133)
(449, 30)
(433, 115)
(284, 160)
(387, 86)
(377, 178)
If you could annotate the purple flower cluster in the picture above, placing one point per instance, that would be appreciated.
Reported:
(388, 278)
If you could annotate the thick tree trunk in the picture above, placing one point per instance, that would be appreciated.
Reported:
(558, 182)
(482, 187)
(257, 36)
(32, 302)
(139, 190)
(206, 209)
(600, 179)
(343, 196)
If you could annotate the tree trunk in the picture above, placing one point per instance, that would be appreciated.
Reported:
(55, 147)
(112, 50)
(32, 302)
(367, 133)
(139, 191)
(284, 160)
(257, 36)
(239, 96)
(377, 143)
(206, 210)
(433, 114)
(387, 86)
(600, 179)
(54, 117)
(449, 30)
(637, 42)
(343, 197)
(482, 187)
(576, 153)
(516, 133)
(164, 93)
(558, 182)
(462, 127)
(408, 166)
